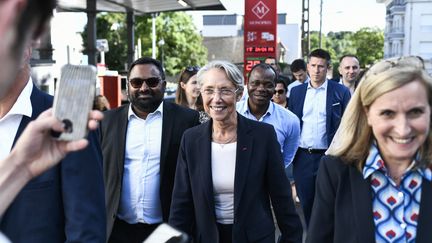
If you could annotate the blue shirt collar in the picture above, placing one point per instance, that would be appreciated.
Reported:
(246, 109)
(374, 162)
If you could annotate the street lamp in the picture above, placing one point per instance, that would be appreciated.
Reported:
(161, 43)
(320, 29)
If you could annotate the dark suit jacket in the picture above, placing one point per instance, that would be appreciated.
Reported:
(113, 130)
(342, 210)
(259, 177)
(64, 204)
(338, 97)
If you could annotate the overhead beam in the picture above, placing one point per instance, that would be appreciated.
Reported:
(91, 32)
(130, 22)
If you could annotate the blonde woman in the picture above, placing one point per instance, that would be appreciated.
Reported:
(374, 185)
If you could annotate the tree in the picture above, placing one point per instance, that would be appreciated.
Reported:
(366, 43)
(113, 28)
(369, 44)
(183, 44)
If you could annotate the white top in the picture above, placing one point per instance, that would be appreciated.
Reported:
(313, 133)
(10, 122)
(140, 201)
(223, 162)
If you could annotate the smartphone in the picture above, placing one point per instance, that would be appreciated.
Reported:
(165, 233)
(73, 99)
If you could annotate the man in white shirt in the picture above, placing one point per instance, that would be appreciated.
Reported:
(140, 144)
(349, 69)
(319, 105)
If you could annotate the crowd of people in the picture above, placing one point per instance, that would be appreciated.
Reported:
(226, 162)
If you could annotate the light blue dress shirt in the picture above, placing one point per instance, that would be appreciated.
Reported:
(140, 201)
(313, 133)
(285, 123)
(294, 84)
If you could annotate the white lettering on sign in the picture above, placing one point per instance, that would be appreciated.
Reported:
(260, 10)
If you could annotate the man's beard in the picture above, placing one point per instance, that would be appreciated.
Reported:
(145, 105)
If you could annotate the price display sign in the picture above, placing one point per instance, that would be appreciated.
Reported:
(260, 26)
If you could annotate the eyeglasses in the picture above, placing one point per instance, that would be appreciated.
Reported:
(222, 92)
(279, 91)
(410, 61)
(150, 82)
(193, 68)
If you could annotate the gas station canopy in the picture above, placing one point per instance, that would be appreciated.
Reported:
(140, 6)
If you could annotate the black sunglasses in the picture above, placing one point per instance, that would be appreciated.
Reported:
(279, 91)
(193, 68)
(150, 82)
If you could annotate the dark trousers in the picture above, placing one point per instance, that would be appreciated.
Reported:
(305, 170)
(123, 232)
(225, 233)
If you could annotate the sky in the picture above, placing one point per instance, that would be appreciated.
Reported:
(338, 15)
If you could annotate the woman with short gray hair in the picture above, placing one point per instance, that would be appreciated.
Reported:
(229, 170)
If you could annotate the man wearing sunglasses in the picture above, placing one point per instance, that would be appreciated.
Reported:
(259, 107)
(140, 143)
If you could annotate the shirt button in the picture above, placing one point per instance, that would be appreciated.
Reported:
(403, 225)
(400, 194)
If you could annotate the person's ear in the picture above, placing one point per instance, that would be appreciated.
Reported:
(182, 85)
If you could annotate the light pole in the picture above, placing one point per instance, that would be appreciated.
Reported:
(320, 30)
(161, 43)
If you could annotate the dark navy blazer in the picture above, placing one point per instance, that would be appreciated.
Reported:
(259, 177)
(342, 210)
(338, 97)
(64, 204)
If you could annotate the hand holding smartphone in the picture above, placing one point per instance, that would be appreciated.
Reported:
(73, 100)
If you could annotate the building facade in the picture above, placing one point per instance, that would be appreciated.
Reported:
(408, 29)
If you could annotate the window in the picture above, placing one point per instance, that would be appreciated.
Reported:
(426, 23)
(220, 19)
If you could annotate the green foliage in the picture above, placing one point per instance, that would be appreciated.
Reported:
(366, 43)
(113, 28)
(369, 44)
(183, 44)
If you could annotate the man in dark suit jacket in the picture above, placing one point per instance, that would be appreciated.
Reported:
(64, 204)
(140, 144)
(319, 105)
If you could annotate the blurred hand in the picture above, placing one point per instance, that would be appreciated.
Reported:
(294, 193)
(36, 150)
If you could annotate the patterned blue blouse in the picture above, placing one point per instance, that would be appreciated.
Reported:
(395, 208)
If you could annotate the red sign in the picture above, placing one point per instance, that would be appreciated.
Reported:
(260, 25)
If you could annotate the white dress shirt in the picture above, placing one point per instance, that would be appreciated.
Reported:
(140, 201)
(313, 133)
(10, 122)
(223, 162)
